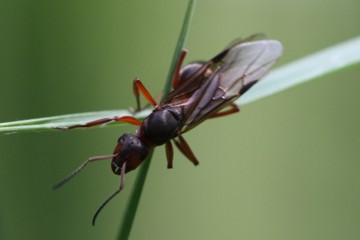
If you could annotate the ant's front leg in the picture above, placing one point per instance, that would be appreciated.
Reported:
(127, 119)
(138, 87)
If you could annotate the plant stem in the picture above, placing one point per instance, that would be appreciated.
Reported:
(133, 202)
(179, 45)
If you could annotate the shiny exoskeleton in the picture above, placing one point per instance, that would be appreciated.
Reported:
(201, 90)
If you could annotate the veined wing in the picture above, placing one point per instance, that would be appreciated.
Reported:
(224, 79)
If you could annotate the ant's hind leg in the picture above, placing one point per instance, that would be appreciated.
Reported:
(169, 154)
(182, 145)
(233, 109)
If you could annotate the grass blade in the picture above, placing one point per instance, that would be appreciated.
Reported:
(308, 68)
(179, 45)
(133, 202)
(49, 123)
(330, 60)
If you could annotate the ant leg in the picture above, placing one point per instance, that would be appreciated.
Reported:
(169, 154)
(139, 87)
(234, 109)
(81, 167)
(127, 119)
(176, 76)
(182, 145)
(122, 178)
(137, 96)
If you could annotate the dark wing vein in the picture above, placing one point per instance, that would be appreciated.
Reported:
(191, 85)
(234, 71)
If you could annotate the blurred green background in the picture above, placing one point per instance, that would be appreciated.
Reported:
(286, 167)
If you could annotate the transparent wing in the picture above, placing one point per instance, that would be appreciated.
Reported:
(245, 64)
(224, 79)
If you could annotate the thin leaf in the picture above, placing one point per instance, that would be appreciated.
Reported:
(330, 60)
(49, 123)
(134, 199)
(133, 202)
(179, 45)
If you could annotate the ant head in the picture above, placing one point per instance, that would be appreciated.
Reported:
(129, 150)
